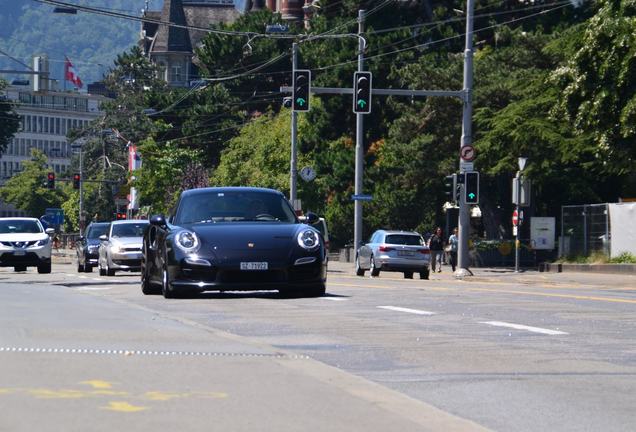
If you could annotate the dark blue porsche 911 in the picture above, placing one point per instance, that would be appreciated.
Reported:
(232, 238)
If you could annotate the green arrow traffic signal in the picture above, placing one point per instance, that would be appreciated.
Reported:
(300, 101)
(362, 103)
(471, 196)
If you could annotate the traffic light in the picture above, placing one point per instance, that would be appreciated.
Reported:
(450, 187)
(120, 216)
(50, 180)
(301, 89)
(362, 92)
(471, 187)
(76, 181)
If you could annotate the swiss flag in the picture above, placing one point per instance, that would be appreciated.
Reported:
(70, 74)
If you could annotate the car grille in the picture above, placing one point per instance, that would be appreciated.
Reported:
(8, 259)
(132, 249)
(19, 244)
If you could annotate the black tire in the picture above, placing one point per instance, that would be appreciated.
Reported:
(80, 268)
(109, 271)
(44, 268)
(359, 270)
(88, 268)
(408, 275)
(167, 289)
(146, 286)
(19, 268)
(374, 270)
(424, 274)
(102, 272)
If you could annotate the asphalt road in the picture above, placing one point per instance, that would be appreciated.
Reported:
(499, 351)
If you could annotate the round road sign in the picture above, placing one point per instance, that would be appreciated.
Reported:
(308, 174)
(515, 218)
(467, 153)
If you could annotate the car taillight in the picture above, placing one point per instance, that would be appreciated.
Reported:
(385, 248)
(425, 251)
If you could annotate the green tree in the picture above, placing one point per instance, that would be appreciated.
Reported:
(167, 170)
(599, 86)
(27, 190)
(9, 120)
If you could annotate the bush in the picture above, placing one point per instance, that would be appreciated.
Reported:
(624, 258)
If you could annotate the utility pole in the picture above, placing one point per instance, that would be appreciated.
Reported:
(359, 163)
(466, 140)
(293, 165)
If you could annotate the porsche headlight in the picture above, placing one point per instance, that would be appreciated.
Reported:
(187, 241)
(308, 239)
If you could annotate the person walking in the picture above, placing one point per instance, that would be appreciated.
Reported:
(453, 242)
(436, 245)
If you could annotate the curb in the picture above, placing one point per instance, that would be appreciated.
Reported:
(588, 268)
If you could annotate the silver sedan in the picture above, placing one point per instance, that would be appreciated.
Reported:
(120, 248)
(397, 251)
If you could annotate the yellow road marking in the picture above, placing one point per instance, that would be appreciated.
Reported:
(570, 296)
(98, 384)
(58, 394)
(437, 288)
(123, 407)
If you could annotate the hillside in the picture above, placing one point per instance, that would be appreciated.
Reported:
(90, 41)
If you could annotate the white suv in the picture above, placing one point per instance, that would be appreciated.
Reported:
(25, 243)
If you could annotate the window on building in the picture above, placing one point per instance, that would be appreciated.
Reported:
(63, 121)
(40, 126)
(175, 73)
(57, 125)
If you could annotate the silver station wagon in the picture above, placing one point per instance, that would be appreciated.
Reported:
(396, 251)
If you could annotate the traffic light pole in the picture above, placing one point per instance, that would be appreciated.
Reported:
(293, 164)
(81, 192)
(466, 140)
(359, 162)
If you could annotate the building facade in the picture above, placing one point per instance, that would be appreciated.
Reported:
(46, 118)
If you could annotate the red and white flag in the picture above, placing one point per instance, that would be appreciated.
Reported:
(70, 74)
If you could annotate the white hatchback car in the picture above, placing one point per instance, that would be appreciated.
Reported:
(25, 243)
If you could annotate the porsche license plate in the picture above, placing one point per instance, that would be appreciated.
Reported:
(254, 266)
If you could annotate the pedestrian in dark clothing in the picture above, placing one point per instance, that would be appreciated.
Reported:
(436, 245)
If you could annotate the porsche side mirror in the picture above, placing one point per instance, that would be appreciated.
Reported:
(81, 238)
(311, 218)
(103, 237)
(50, 231)
(158, 220)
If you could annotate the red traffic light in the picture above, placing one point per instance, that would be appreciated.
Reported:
(121, 216)
(50, 180)
(76, 181)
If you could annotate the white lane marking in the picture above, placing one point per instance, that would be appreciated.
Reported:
(96, 279)
(524, 327)
(129, 352)
(82, 277)
(407, 310)
(334, 298)
(69, 274)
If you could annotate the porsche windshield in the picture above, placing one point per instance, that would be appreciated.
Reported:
(232, 206)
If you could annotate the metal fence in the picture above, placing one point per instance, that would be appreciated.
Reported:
(585, 229)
